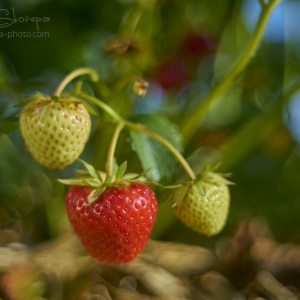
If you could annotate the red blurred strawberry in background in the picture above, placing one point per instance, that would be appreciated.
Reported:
(175, 72)
(197, 46)
(172, 74)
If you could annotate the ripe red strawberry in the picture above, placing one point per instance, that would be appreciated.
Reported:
(115, 227)
(55, 131)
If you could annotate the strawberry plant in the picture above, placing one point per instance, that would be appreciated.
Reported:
(130, 155)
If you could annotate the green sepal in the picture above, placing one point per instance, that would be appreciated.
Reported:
(32, 99)
(76, 89)
(216, 178)
(198, 186)
(134, 177)
(121, 170)
(71, 181)
(92, 171)
(85, 173)
(115, 166)
(91, 183)
(179, 194)
(108, 180)
(94, 195)
(42, 108)
(89, 109)
(75, 97)
(81, 172)
(138, 176)
(54, 98)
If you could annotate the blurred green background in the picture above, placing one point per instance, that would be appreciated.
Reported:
(182, 47)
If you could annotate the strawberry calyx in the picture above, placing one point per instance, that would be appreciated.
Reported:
(208, 176)
(99, 181)
(212, 177)
(41, 103)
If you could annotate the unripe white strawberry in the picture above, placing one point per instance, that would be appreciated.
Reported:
(204, 205)
(55, 131)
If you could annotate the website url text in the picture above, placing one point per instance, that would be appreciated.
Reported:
(24, 34)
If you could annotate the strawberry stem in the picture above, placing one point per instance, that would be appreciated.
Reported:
(167, 144)
(74, 74)
(200, 112)
(143, 129)
(115, 116)
(112, 148)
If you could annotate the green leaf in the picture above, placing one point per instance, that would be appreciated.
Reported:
(121, 170)
(9, 124)
(153, 154)
(91, 170)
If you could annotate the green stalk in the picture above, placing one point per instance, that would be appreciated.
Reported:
(112, 148)
(139, 127)
(115, 116)
(198, 114)
(262, 3)
(172, 149)
(74, 74)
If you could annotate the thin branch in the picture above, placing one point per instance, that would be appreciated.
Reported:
(168, 145)
(74, 74)
(199, 113)
(112, 148)
(262, 3)
(141, 128)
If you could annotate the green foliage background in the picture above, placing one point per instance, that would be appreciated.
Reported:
(245, 128)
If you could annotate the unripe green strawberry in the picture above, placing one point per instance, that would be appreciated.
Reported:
(205, 204)
(55, 131)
